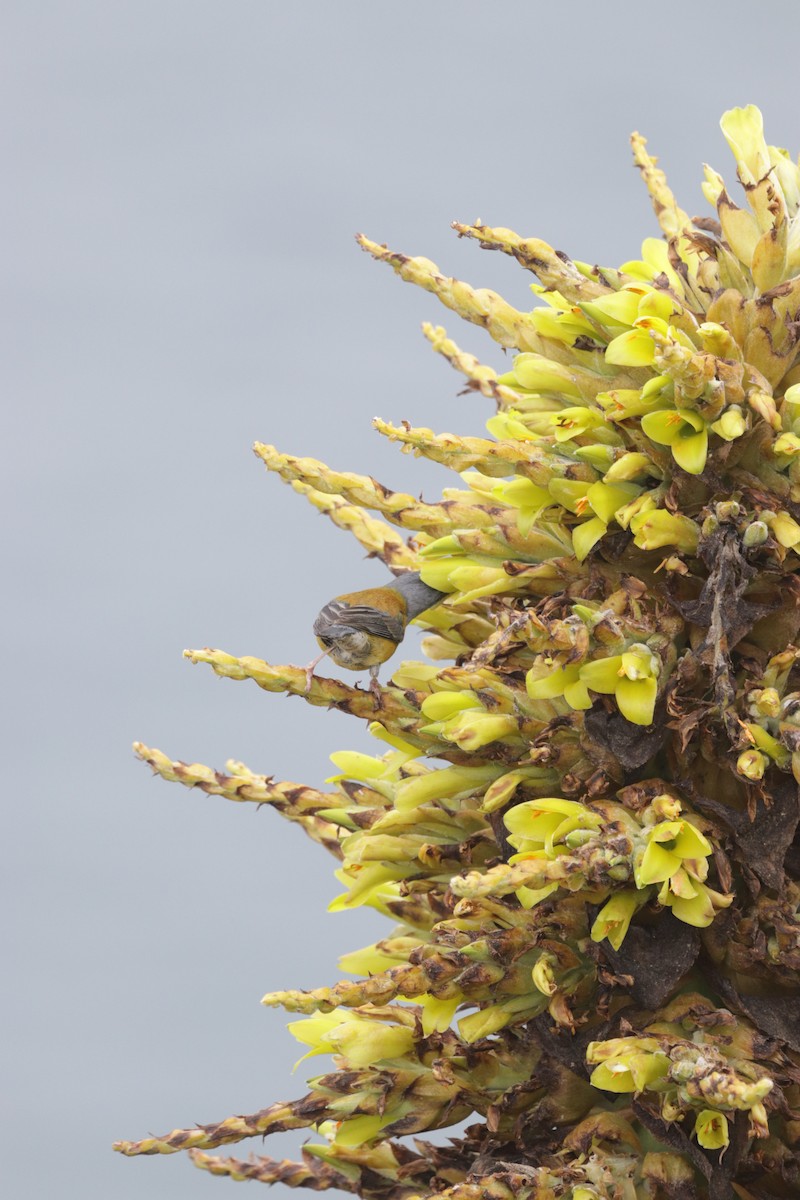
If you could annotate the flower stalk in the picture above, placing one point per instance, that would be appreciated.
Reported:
(581, 819)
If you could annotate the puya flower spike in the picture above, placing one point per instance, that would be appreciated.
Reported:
(581, 818)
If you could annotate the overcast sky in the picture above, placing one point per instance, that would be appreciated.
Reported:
(183, 180)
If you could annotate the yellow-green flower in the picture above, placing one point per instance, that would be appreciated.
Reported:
(631, 678)
(534, 373)
(711, 1129)
(669, 843)
(560, 681)
(361, 1039)
(472, 729)
(627, 1064)
(544, 976)
(752, 764)
(539, 825)
(634, 348)
(733, 423)
(614, 918)
(572, 422)
(655, 528)
(675, 856)
(684, 431)
(692, 901)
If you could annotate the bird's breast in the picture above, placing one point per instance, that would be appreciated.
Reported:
(358, 651)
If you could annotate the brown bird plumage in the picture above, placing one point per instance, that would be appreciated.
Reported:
(361, 630)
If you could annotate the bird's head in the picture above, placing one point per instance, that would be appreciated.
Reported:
(347, 646)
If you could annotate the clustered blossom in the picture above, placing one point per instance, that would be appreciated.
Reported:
(580, 821)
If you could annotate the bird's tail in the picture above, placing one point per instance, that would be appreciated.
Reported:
(418, 596)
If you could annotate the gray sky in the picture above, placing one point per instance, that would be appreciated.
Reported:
(183, 182)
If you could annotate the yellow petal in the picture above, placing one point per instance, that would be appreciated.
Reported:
(436, 1014)
(530, 897)
(711, 1129)
(743, 129)
(577, 696)
(523, 818)
(442, 705)
(636, 699)
(657, 865)
(691, 843)
(605, 498)
(548, 687)
(614, 918)
(602, 675)
(634, 348)
(691, 452)
(587, 535)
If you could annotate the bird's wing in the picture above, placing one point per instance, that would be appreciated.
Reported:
(358, 616)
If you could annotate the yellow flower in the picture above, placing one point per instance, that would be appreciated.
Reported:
(360, 1039)
(656, 528)
(615, 916)
(534, 373)
(483, 1023)
(711, 1129)
(623, 403)
(783, 528)
(627, 1064)
(628, 467)
(442, 705)
(768, 744)
(436, 1014)
(668, 844)
(507, 426)
(684, 431)
(676, 856)
(631, 677)
(752, 764)
(787, 443)
(572, 422)
(544, 977)
(540, 824)
(743, 129)
(732, 424)
(698, 910)
(634, 348)
(357, 1130)
(560, 681)
(470, 730)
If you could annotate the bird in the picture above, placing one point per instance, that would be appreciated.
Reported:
(361, 630)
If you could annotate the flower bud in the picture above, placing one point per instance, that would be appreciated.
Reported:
(544, 976)
(731, 425)
(752, 764)
(728, 510)
(652, 530)
(754, 535)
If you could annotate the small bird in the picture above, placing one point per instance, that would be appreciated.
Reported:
(361, 630)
